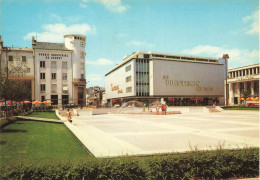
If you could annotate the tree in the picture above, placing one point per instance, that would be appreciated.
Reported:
(13, 90)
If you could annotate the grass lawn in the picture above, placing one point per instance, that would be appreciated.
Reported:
(48, 115)
(39, 141)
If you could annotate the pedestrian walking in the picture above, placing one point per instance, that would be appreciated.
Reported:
(157, 109)
(69, 116)
(163, 109)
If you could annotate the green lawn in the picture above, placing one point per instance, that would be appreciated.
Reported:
(48, 115)
(39, 141)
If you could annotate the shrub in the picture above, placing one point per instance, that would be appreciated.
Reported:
(217, 164)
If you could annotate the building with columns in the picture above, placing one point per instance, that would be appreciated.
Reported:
(243, 79)
(53, 71)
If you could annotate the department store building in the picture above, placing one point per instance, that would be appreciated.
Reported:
(179, 79)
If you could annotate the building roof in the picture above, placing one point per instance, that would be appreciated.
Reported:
(243, 67)
(165, 56)
(78, 35)
(50, 46)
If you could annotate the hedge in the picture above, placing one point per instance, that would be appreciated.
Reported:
(218, 164)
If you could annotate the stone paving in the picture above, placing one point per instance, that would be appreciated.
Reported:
(114, 135)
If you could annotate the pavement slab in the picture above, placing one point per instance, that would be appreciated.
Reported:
(112, 135)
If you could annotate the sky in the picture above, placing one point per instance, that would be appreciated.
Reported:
(116, 28)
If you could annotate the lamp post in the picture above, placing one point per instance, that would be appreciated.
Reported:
(226, 57)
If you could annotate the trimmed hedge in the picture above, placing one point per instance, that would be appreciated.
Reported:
(219, 164)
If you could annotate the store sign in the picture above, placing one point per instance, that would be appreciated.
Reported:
(180, 83)
(114, 88)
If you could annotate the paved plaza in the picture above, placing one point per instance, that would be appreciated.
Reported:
(112, 135)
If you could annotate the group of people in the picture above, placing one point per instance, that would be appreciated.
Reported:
(163, 108)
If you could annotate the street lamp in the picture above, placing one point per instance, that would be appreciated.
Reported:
(226, 57)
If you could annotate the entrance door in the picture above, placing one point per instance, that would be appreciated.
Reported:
(235, 100)
(65, 99)
(54, 99)
(80, 95)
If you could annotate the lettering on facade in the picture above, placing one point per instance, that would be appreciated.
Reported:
(245, 78)
(182, 83)
(114, 88)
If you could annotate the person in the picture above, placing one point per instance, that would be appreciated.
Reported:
(157, 109)
(69, 116)
(163, 109)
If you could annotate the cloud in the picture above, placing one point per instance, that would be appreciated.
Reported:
(55, 32)
(238, 57)
(111, 5)
(95, 79)
(140, 43)
(252, 22)
(100, 62)
(82, 5)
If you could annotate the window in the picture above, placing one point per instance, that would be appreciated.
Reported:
(42, 64)
(65, 88)
(42, 98)
(64, 76)
(81, 66)
(24, 58)
(42, 76)
(82, 76)
(10, 58)
(129, 89)
(82, 54)
(42, 87)
(127, 68)
(53, 64)
(82, 44)
(28, 70)
(54, 88)
(128, 79)
(64, 65)
(146, 56)
(53, 75)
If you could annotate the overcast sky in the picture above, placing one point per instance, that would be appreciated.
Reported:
(115, 28)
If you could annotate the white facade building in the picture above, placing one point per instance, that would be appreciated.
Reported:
(56, 71)
(243, 79)
(180, 80)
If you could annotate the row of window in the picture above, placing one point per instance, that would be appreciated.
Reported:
(64, 65)
(54, 76)
(244, 72)
(54, 88)
(184, 58)
(11, 58)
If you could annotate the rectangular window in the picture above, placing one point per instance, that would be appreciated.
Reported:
(42, 87)
(42, 75)
(64, 65)
(53, 75)
(42, 98)
(24, 58)
(129, 89)
(82, 76)
(28, 70)
(127, 68)
(10, 58)
(82, 54)
(53, 64)
(65, 88)
(42, 64)
(54, 88)
(128, 79)
(64, 76)
(81, 66)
